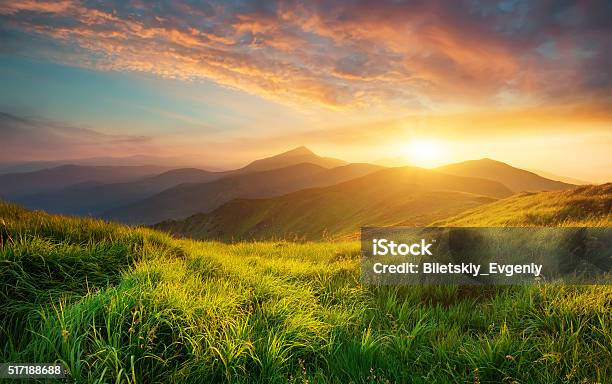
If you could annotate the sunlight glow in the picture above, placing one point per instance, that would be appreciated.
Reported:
(425, 153)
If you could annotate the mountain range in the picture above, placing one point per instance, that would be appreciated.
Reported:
(95, 190)
(54, 179)
(185, 199)
(293, 194)
(394, 196)
(97, 198)
(163, 161)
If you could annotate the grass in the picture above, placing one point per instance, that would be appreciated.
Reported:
(131, 305)
(586, 206)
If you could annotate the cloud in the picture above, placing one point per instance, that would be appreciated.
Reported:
(347, 54)
(29, 139)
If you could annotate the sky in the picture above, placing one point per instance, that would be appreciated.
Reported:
(222, 83)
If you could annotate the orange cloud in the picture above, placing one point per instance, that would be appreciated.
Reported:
(415, 56)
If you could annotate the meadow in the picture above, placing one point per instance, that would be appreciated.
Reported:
(117, 304)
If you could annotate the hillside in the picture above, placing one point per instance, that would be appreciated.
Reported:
(582, 206)
(516, 179)
(187, 199)
(396, 196)
(295, 156)
(96, 198)
(120, 304)
(53, 179)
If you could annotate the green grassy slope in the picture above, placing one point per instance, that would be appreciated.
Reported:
(516, 179)
(124, 305)
(582, 206)
(397, 196)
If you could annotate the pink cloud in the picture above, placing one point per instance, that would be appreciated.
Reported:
(415, 55)
(33, 139)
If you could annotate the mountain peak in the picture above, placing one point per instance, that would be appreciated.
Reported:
(486, 160)
(298, 151)
(295, 156)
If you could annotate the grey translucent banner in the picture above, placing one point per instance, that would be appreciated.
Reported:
(32, 371)
(485, 256)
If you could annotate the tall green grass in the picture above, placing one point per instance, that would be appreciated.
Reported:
(125, 305)
(584, 206)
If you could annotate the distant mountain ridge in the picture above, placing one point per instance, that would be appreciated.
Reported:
(53, 179)
(186, 199)
(516, 179)
(133, 160)
(89, 194)
(395, 196)
(564, 179)
(96, 198)
(151, 194)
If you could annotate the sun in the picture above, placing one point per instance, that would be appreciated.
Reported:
(425, 153)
